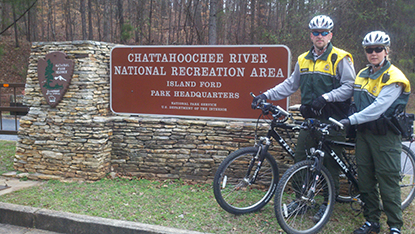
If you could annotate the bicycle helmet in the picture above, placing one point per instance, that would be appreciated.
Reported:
(321, 22)
(376, 38)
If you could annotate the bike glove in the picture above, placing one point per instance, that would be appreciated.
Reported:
(318, 104)
(345, 122)
(258, 99)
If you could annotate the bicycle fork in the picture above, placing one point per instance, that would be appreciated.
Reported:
(264, 145)
(316, 172)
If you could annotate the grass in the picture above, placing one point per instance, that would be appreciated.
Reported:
(178, 204)
(7, 151)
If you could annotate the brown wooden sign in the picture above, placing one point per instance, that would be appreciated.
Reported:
(195, 81)
(55, 74)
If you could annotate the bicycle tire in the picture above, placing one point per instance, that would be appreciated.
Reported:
(407, 176)
(299, 219)
(407, 180)
(346, 189)
(231, 188)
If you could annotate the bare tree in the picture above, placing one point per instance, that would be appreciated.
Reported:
(150, 18)
(90, 26)
(51, 21)
(98, 12)
(68, 20)
(212, 23)
(83, 18)
(16, 36)
(106, 29)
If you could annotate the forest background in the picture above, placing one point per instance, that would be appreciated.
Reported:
(202, 22)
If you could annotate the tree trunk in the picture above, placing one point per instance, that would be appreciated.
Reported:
(90, 26)
(178, 27)
(99, 16)
(212, 23)
(253, 12)
(68, 23)
(15, 26)
(83, 18)
(149, 23)
(106, 29)
(120, 19)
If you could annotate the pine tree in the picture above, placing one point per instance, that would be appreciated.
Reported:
(49, 77)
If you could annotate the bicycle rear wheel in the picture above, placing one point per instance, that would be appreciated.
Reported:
(299, 198)
(233, 187)
(346, 189)
(407, 179)
(407, 176)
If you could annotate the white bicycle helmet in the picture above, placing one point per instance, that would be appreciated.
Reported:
(322, 22)
(376, 38)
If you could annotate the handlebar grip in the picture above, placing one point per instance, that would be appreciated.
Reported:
(336, 122)
(286, 113)
(298, 122)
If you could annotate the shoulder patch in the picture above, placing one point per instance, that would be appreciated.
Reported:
(385, 77)
(349, 60)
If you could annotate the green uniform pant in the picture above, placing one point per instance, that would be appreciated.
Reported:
(307, 140)
(379, 163)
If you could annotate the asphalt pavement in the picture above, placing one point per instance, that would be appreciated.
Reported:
(9, 124)
(25, 219)
(12, 229)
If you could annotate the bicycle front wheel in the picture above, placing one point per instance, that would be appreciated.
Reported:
(304, 200)
(234, 186)
(407, 176)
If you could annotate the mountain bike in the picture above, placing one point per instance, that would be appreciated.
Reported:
(307, 188)
(247, 178)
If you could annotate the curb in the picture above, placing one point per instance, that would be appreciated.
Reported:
(64, 222)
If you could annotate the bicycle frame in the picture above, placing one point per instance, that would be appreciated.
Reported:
(345, 167)
(325, 146)
(274, 134)
(265, 143)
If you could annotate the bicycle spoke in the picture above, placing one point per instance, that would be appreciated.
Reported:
(233, 188)
(295, 206)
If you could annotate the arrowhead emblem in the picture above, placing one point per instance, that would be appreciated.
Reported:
(55, 74)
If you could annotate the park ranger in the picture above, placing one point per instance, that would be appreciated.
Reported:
(380, 91)
(325, 75)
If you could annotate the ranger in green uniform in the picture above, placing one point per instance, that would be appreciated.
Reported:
(325, 75)
(380, 89)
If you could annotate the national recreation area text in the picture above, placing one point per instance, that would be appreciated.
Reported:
(193, 81)
(202, 65)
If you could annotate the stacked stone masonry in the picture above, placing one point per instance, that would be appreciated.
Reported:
(82, 139)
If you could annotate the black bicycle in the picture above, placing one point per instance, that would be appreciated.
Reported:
(247, 178)
(305, 195)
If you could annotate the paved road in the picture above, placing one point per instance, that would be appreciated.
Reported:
(9, 124)
(11, 229)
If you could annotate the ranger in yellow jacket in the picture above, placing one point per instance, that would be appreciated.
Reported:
(325, 75)
(380, 90)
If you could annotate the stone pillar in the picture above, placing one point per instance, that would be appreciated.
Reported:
(72, 139)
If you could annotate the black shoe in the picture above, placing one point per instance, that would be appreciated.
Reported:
(294, 207)
(368, 228)
(316, 218)
(395, 231)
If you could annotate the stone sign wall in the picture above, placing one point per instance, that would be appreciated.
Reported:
(82, 139)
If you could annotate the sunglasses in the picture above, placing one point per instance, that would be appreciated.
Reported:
(377, 50)
(324, 33)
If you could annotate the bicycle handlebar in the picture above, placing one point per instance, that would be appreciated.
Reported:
(269, 107)
(322, 127)
(336, 123)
